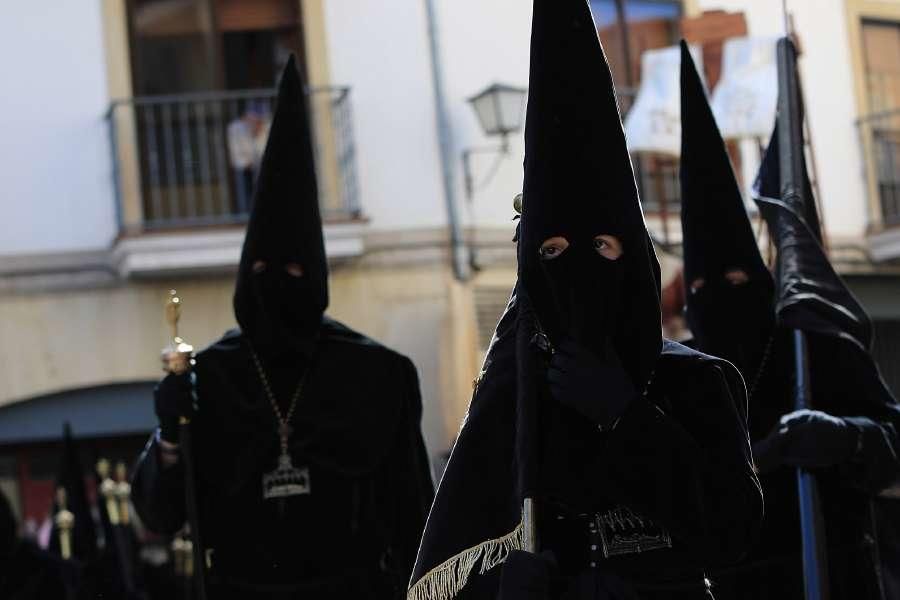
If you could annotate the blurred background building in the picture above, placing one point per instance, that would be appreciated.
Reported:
(132, 129)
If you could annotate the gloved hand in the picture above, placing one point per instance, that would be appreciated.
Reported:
(599, 389)
(526, 576)
(173, 398)
(807, 438)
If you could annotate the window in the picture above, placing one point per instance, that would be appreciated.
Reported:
(881, 50)
(183, 46)
(881, 44)
(649, 24)
(203, 73)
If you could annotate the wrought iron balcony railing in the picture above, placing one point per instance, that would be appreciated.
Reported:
(881, 141)
(190, 160)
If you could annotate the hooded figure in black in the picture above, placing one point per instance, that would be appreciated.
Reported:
(633, 449)
(325, 497)
(731, 312)
(26, 571)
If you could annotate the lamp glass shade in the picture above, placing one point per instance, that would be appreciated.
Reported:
(500, 109)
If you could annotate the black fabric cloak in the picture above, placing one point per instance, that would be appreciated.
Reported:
(356, 426)
(738, 323)
(678, 460)
(26, 571)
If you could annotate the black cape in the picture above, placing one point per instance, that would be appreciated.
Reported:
(26, 571)
(679, 456)
(684, 463)
(739, 322)
(846, 382)
(356, 425)
(356, 428)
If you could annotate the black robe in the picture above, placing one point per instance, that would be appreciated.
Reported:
(357, 428)
(679, 458)
(772, 569)
(30, 573)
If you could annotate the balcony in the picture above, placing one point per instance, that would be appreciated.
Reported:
(184, 166)
(880, 135)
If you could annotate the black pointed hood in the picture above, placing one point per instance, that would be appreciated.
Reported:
(717, 232)
(810, 295)
(579, 184)
(276, 311)
(727, 320)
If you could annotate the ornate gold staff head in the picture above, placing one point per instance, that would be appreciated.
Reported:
(178, 555)
(102, 469)
(178, 356)
(65, 522)
(123, 492)
(108, 490)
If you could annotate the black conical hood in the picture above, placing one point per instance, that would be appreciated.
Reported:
(578, 174)
(810, 295)
(285, 224)
(716, 230)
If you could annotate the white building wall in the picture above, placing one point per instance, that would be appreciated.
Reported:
(484, 43)
(828, 85)
(495, 45)
(55, 181)
(54, 154)
(380, 49)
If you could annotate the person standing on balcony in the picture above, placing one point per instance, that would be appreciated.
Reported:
(633, 450)
(312, 475)
(851, 443)
(247, 137)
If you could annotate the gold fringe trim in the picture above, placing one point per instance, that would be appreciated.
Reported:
(446, 580)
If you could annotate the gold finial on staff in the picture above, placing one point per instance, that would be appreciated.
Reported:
(108, 491)
(178, 356)
(123, 492)
(178, 557)
(65, 522)
(173, 313)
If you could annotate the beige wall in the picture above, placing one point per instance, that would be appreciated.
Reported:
(54, 341)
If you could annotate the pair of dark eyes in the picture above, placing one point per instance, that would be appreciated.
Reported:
(607, 246)
(293, 269)
(735, 277)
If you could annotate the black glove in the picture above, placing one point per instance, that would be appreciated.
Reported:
(173, 398)
(599, 389)
(526, 576)
(809, 439)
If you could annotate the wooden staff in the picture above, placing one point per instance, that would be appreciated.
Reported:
(178, 358)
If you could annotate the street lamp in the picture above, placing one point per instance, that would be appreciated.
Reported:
(500, 109)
